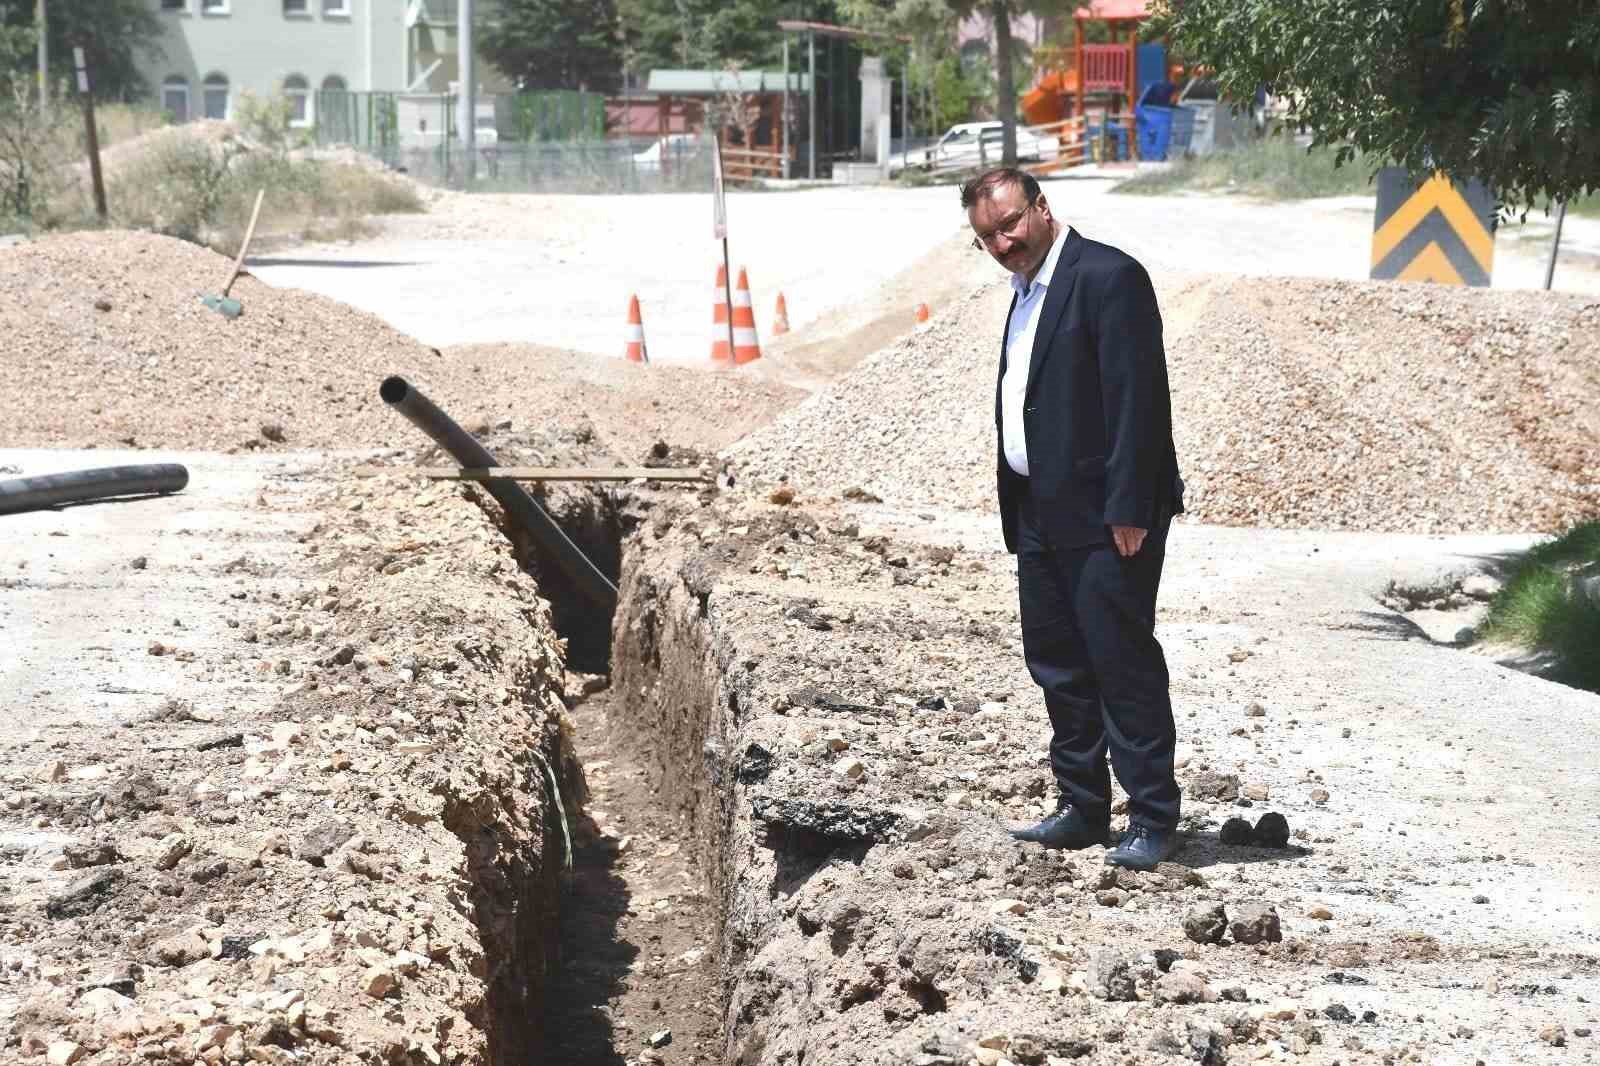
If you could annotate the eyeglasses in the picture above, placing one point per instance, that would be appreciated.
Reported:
(1007, 227)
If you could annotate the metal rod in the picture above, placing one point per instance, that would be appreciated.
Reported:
(785, 138)
(1555, 247)
(727, 294)
(469, 93)
(520, 508)
(811, 118)
(78, 486)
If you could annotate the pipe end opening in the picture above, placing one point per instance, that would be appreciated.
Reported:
(393, 389)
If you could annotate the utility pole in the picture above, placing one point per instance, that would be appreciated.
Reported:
(467, 114)
(91, 135)
(43, 24)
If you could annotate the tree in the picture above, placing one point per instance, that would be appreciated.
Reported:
(1505, 91)
(554, 44)
(933, 24)
(705, 34)
(112, 34)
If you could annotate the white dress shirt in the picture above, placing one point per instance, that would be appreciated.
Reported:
(1020, 328)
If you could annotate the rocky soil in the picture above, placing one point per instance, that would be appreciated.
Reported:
(1296, 403)
(358, 862)
(835, 701)
(325, 814)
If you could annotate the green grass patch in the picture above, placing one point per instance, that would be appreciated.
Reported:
(1540, 608)
(1273, 168)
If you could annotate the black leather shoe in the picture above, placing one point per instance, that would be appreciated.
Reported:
(1142, 847)
(1067, 828)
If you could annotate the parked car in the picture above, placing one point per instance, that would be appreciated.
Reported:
(676, 146)
(973, 143)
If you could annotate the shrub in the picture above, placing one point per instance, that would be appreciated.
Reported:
(1274, 168)
(1540, 607)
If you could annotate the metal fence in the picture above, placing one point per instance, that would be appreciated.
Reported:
(540, 142)
(612, 166)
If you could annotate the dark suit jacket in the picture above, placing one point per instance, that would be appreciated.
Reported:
(1097, 414)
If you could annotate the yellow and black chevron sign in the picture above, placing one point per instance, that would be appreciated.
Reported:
(1436, 232)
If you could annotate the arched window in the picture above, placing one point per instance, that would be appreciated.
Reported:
(333, 84)
(175, 97)
(298, 92)
(214, 96)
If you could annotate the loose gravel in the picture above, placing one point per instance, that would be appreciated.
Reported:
(108, 345)
(1297, 403)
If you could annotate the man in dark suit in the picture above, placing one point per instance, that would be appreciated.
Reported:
(1088, 481)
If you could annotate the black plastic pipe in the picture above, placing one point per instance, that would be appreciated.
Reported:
(519, 506)
(78, 486)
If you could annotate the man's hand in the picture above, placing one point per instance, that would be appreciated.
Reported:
(1128, 539)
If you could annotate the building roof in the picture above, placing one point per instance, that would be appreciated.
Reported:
(1115, 10)
(710, 82)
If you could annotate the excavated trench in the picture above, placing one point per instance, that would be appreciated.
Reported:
(632, 976)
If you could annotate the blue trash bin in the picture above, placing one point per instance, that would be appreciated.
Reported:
(1155, 130)
(1153, 116)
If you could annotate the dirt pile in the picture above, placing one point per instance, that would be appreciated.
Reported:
(365, 869)
(1297, 403)
(107, 343)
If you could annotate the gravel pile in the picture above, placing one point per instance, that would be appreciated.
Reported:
(1297, 403)
(107, 344)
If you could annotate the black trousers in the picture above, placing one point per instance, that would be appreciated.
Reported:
(1088, 634)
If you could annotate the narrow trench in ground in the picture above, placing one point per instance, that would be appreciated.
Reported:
(636, 929)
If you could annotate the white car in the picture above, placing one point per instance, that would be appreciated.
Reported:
(973, 143)
(676, 146)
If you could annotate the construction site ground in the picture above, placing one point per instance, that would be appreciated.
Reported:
(312, 767)
(558, 270)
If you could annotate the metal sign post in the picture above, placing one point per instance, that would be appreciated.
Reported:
(719, 227)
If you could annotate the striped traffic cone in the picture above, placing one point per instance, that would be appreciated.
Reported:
(720, 352)
(780, 318)
(921, 313)
(634, 351)
(746, 348)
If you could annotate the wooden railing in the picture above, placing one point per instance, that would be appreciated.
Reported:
(744, 164)
(1106, 67)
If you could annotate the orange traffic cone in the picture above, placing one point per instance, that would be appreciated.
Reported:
(720, 352)
(922, 312)
(635, 350)
(746, 348)
(780, 318)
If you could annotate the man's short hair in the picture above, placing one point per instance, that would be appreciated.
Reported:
(986, 183)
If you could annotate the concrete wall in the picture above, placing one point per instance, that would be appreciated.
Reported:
(257, 44)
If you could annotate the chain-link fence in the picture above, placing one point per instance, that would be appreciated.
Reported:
(609, 166)
(540, 142)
